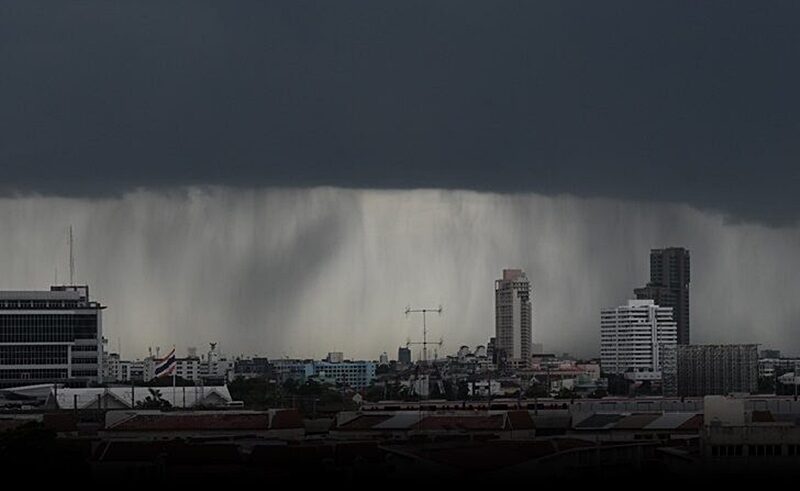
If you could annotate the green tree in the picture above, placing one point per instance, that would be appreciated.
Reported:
(374, 393)
(537, 390)
(565, 393)
(153, 401)
(463, 390)
(598, 394)
(766, 385)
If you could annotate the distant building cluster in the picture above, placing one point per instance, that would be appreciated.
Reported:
(215, 368)
(56, 336)
(647, 341)
(334, 370)
(212, 368)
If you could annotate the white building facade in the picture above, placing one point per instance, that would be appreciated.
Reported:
(356, 374)
(637, 340)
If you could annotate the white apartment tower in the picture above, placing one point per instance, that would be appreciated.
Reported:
(637, 340)
(513, 318)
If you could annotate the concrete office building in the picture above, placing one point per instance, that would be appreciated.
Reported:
(188, 368)
(111, 367)
(50, 336)
(637, 340)
(770, 368)
(292, 369)
(132, 371)
(356, 374)
(716, 369)
(513, 319)
(256, 367)
(215, 368)
(669, 285)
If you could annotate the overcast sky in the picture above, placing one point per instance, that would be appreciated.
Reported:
(681, 101)
(249, 172)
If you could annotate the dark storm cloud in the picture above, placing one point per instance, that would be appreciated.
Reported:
(691, 102)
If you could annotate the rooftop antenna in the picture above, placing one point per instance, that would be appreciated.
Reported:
(71, 257)
(424, 342)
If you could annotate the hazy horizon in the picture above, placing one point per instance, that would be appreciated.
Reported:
(300, 272)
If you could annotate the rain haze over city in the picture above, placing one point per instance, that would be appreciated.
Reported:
(418, 241)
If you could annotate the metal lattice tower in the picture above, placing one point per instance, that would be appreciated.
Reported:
(424, 341)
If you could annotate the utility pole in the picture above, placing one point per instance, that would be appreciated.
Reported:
(424, 342)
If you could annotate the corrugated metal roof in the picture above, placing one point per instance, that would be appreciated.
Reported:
(400, 421)
(599, 421)
(151, 420)
(175, 452)
(669, 421)
(693, 423)
(283, 419)
(762, 417)
(636, 421)
(194, 421)
(485, 456)
(66, 398)
(363, 422)
(552, 420)
(520, 420)
(462, 422)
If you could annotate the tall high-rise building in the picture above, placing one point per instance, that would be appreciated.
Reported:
(637, 340)
(513, 319)
(50, 336)
(669, 285)
(404, 355)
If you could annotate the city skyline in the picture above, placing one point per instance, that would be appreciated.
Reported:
(230, 179)
(160, 279)
(283, 187)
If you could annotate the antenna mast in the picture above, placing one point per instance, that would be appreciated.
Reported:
(71, 258)
(424, 342)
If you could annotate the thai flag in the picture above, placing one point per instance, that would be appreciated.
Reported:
(166, 366)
